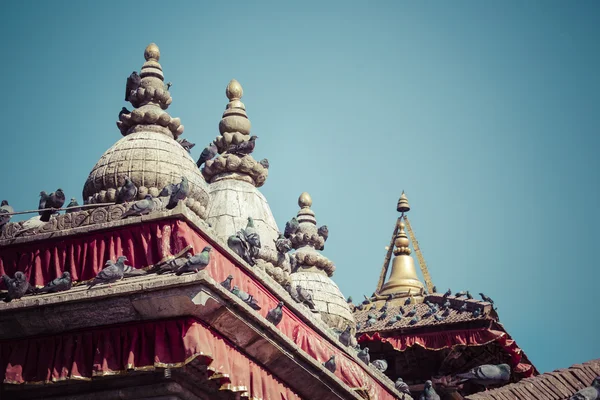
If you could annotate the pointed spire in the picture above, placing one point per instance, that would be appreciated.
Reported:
(149, 97)
(234, 129)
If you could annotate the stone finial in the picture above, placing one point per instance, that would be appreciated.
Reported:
(149, 96)
(234, 129)
(307, 239)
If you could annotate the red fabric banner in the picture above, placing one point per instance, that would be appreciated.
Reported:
(139, 346)
(147, 244)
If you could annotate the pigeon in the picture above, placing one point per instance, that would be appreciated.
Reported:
(460, 294)
(243, 148)
(17, 286)
(196, 263)
(412, 312)
(323, 231)
(127, 192)
(407, 301)
(73, 206)
(429, 392)
(381, 365)
(140, 207)
(43, 199)
(346, 336)
(291, 227)
(476, 313)
(275, 315)
(123, 111)
(282, 244)
(110, 273)
(428, 313)
(330, 364)
(265, 163)
(384, 308)
(168, 86)
(448, 293)
(292, 292)
(349, 300)
(305, 297)
(401, 310)
(133, 83)
(392, 321)
(438, 318)
(463, 307)
(171, 265)
(414, 320)
(358, 326)
(54, 200)
(130, 271)
(487, 375)
(589, 393)
(364, 356)
(447, 312)
(251, 234)
(180, 192)
(373, 307)
(366, 300)
(370, 322)
(447, 304)
(245, 297)
(469, 296)
(227, 282)
(5, 209)
(207, 154)
(486, 298)
(58, 285)
(383, 315)
(185, 144)
(433, 290)
(401, 386)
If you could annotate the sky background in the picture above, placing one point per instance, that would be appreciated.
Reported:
(486, 113)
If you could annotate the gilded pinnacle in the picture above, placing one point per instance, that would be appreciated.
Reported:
(152, 52)
(305, 201)
(234, 90)
(403, 204)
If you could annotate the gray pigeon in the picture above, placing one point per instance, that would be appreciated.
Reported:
(401, 386)
(323, 231)
(412, 312)
(589, 393)
(123, 111)
(434, 289)
(43, 199)
(207, 154)
(305, 297)
(180, 192)
(54, 200)
(140, 207)
(245, 297)
(438, 318)
(171, 265)
(293, 293)
(185, 144)
(487, 375)
(17, 286)
(447, 304)
(291, 227)
(460, 294)
(330, 364)
(240, 246)
(127, 192)
(168, 86)
(414, 320)
(469, 296)
(381, 365)
(486, 298)
(227, 282)
(58, 285)
(275, 315)
(74, 204)
(196, 263)
(282, 244)
(407, 301)
(251, 234)
(476, 313)
(111, 273)
(5, 209)
(265, 163)
(243, 148)
(364, 356)
(463, 307)
(133, 83)
(448, 293)
(429, 392)
(346, 336)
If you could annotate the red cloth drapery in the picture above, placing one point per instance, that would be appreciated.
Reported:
(147, 244)
(140, 346)
(448, 339)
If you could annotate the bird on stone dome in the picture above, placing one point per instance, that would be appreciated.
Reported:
(180, 192)
(17, 287)
(207, 154)
(140, 207)
(265, 163)
(112, 272)
(133, 83)
(186, 144)
(127, 192)
(72, 206)
(291, 227)
(54, 200)
(243, 148)
(5, 209)
(59, 284)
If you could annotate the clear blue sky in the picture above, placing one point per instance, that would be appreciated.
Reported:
(486, 113)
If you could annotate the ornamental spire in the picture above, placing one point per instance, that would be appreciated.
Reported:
(149, 96)
(235, 145)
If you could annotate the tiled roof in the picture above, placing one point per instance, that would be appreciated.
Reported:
(454, 315)
(557, 385)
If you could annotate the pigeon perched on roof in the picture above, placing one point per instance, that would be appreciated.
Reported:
(428, 313)
(463, 307)
(207, 154)
(73, 206)
(434, 289)
(349, 299)
(59, 284)
(112, 272)
(448, 293)
(17, 287)
(476, 313)
(460, 294)
(373, 307)
(383, 316)
(323, 231)
(330, 364)
(275, 315)
(5, 209)
(265, 163)
(246, 298)
(305, 297)
(401, 386)
(486, 298)
(282, 244)
(171, 265)
(54, 200)
(364, 356)
(589, 393)
(407, 301)
(243, 148)
(414, 320)
(487, 375)
(240, 246)
(133, 83)
(187, 146)
(291, 227)
(346, 336)
(447, 304)
(123, 111)
(43, 199)
(140, 207)
(429, 392)
(438, 318)
(381, 365)
(412, 312)
(293, 292)
(168, 86)
(384, 308)
(180, 192)
(251, 234)
(196, 263)
(227, 282)
(469, 296)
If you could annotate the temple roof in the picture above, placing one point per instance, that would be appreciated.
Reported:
(557, 385)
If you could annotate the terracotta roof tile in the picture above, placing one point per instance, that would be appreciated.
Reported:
(556, 385)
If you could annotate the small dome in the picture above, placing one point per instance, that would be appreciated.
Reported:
(151, 160)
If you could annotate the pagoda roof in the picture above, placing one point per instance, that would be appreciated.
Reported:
(557, 385)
